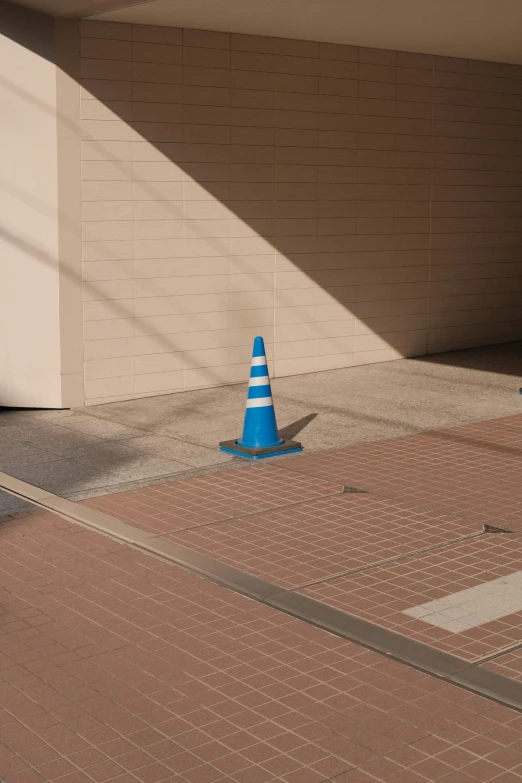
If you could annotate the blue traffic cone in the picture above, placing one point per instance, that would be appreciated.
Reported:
(260, 438)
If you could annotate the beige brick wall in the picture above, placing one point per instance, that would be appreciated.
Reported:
(31, 368)
(351, 205)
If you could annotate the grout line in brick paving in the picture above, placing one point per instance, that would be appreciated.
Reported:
(250, 514)
(468, 675)
(91, 493)
(396, 559)
(422, 505)
(129, 739)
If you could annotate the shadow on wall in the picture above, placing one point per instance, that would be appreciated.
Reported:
(344, 203)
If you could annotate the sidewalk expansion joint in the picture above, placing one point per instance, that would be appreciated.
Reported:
(166, 478)
(420, 656)
(396, 559)
(250, 514)
(505, 651)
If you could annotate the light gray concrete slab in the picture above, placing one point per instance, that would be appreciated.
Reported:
(82, 423)
(107, 445)
(9, 431)
(9, 504)
(57, 475)
(113, 453)
(60, 441)
(135, 470)
(171, 448)
(351, 405)
(473, 606)
(14, 451)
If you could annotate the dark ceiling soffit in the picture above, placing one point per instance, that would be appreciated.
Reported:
(31, 29)
(70, 9)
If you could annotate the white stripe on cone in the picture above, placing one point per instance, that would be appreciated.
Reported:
(258, 361)
(260, 380)
(259, 402)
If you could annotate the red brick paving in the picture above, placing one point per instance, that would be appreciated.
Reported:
(116, 666)
(382, 594)
(442, 484)
(212, 498)
(320, 538)
(473, 470)
(470, 471)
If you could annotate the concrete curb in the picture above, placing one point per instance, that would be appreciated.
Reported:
(410, 652)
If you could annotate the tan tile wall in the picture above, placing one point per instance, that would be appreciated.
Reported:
(30, 361)
(476, 259)
(351, 205)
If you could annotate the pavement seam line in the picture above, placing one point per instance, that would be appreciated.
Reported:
(249, 515)
(499, 654)
(88, 412)
(450, 668)
(396, 559)
(124, 486)
(401, 497)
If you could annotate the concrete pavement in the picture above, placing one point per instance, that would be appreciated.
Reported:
(101, 449)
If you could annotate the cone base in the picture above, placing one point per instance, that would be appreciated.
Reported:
(286, 447)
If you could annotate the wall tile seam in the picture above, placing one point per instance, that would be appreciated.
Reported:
(437, 59)
(316, 76)
(320, 80)
(240, 50)
(85, 284)
(106, 102)
(466, 63)
(415, 122)
(321, 166)
(311, 79)
(234, 68)
(319, 94)
(431, 197)
(377, 131)
(280, 114)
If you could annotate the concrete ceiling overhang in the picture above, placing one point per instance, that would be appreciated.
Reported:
(475, 29)
(75, 9)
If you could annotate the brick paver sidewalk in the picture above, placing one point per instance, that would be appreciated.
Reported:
(418, 533)
(115, 666)
(118, 666)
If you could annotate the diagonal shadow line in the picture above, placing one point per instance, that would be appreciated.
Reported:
(51, 261)
(167, 343)
(435, 433)
(453, 359)
(29, 247)
(158, 144)
(147, 187)
(334, 289)
(483, 444)
(291, 430)
(460, 360)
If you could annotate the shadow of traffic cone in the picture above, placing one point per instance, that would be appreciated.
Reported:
(260, 438)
